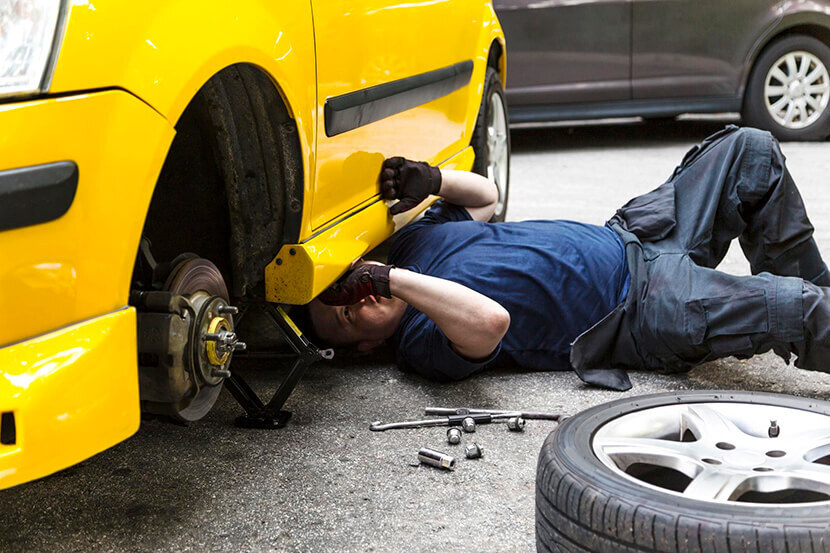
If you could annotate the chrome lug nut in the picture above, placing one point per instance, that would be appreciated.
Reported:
(453, 436)
(435, 458)
(774, 430)
(474, 451)
(468, 424)
(516, 424)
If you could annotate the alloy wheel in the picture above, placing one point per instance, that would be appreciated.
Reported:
(796, 90)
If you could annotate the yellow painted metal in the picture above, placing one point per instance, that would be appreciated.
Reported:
(301, 271)
(163, 52)
(73, 392)
(79, 265)
(364, 44)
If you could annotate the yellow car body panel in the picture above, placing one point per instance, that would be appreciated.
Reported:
(78, 266)
(72, 392)
(124, 74)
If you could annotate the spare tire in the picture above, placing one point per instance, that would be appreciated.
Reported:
(694, 472)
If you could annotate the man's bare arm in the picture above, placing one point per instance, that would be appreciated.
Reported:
(473, 323)
(477, 194)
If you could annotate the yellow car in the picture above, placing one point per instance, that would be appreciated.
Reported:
(160, 161)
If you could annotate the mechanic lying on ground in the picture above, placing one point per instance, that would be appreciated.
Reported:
(642, 292)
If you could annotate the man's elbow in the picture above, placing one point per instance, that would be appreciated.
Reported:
(496, 323)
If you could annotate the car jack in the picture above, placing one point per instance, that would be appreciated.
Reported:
(271, 415)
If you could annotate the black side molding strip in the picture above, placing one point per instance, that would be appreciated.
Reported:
(355, 109)
(38, 194)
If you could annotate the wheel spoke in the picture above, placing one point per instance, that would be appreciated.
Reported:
(809, 476)
(814, 74)
(804, 66)
(779, 75)
(775, 90)
(715, 485)
(817, 88)
(802, 111)
(813, 102)
(663, 453)
(788, 117)
(792, 65)
(779, 104)
(707, 423)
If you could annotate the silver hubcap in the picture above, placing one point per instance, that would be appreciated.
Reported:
(722, 452)
(497, 154)
(796, 90)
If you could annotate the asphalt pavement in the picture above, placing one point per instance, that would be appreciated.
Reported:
(325, 483)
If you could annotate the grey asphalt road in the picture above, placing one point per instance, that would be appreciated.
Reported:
(325, 483)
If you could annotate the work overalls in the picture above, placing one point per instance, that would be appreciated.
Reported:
(680, 311)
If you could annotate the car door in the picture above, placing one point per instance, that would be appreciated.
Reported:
(693, 48)
(566, 51)
(370, 55)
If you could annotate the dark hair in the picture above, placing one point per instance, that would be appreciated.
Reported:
(301, 315)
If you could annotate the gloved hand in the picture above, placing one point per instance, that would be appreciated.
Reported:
(408, 181)
(365, 280)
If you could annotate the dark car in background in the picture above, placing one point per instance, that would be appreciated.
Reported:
(585, 59)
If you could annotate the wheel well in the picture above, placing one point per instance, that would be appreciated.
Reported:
(231, 188)
(816, 31)
(495, 59)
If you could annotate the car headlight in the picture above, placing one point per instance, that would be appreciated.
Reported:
(28, 29)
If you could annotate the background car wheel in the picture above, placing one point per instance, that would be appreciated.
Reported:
(491, 140)
(789, 88)
(696, 471)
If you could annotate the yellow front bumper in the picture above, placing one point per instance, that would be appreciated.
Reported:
(71, 394)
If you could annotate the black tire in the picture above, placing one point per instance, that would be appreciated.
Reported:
(755, 112)
(582, 505)
(492, 90)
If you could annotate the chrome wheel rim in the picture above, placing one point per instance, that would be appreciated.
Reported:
(497, 148)
(796, 90)
(722, 453)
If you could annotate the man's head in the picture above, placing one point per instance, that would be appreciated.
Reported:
(366, 324)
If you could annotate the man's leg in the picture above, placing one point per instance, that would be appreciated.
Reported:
(691, 314)
(736, 184)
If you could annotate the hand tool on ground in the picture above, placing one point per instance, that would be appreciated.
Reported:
(528, 415)
(436, 459)
(452, 420)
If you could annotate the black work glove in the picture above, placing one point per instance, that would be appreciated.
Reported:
(368, 279)
(408, 181)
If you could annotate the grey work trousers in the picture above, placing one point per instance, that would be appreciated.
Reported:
(680, 311)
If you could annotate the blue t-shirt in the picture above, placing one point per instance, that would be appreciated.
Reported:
(555, 278)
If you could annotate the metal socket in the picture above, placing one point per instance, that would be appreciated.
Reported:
(474, 451)
(468, 424)
(453, 436)
(435, 458)
(516, 424)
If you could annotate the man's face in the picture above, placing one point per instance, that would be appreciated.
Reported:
(366, 323)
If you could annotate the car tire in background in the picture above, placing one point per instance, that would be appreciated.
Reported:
(788, 92)
(717, 472)
(491, 140)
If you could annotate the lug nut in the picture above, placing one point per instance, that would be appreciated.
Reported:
(474, 451)
(453, 436)
(435, 458)
(516, 424)
(228, 310)
(774, 430)
(468, 424)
